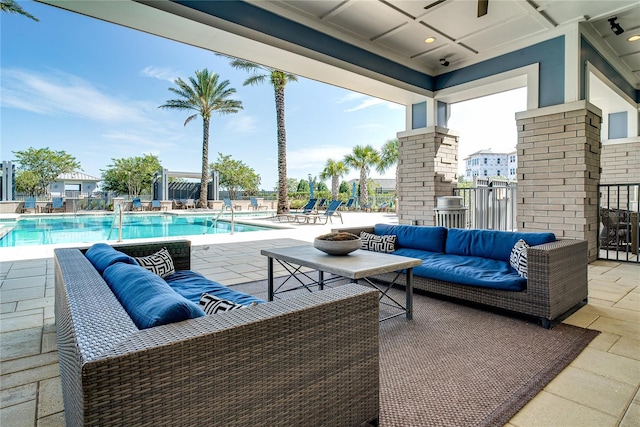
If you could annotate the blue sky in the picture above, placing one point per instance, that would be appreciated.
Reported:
(92, 89)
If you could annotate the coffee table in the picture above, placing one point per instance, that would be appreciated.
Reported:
(359, 265)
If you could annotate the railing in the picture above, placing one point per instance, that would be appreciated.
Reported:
(619, 222)
(491, 204)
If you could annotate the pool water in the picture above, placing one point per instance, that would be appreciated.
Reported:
(93, 228)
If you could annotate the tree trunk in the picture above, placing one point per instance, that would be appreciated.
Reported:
(334, 187)
(364, 193)
(283, 199)
(204, 179)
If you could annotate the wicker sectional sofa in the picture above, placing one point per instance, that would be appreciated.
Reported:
(308, 360)
(557, 271)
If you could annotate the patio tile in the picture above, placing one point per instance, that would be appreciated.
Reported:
(585, 388)
(605, 295)
(8, 307)
(22, 414)
(29, 362)
(626, 347)
(20, 343)
(16, 395)
(36, 303)
(547, 409)
(55, 420)
(19, 271)
(617, 326)
(30, 319)
(21, 295)
(631, 301)
(632, 417)
(604, 341)
(50, 397)
(30, 376)
(609, 365)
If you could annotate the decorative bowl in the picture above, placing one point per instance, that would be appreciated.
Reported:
(343, 244)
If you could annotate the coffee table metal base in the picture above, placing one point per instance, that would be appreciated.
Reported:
(358, 269)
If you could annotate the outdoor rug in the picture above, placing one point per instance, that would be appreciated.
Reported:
(456, 365)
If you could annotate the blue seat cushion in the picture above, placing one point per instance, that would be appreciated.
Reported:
(147, 298)
(102, 256)
(192, 285)
(472, 271)
(430, 239)
(492, 244)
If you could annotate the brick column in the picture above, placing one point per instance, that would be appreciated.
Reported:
(559, 170)
(427, 169)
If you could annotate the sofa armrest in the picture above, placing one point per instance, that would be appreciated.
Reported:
(180, 251)
(354, 230)
(557, 274)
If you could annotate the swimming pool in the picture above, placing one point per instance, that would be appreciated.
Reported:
(47, 230)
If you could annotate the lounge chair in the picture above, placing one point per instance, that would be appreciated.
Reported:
(307, 209)
(136, 204)
(349, 204)
(155, 205)
(30, 204)
(331, 211)
(190, 204)
(384, 207)
(255, 205)
(57, 205)
(322, 204)
(229, 205)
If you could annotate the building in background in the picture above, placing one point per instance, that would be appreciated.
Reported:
(486, 163)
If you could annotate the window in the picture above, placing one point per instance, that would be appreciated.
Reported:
(498, 163)
(485, 160)
(498, 173)
(485, 172)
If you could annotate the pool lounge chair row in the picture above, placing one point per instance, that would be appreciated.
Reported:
(310, 215)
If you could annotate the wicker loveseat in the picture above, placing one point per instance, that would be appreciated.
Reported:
(557, 272)
(308, 360)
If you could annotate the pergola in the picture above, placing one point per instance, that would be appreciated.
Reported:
(575, 57)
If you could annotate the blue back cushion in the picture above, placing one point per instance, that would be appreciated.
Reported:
(192, 285)
(147, 298)
(491, 244)
(430, 239)
(102, 256)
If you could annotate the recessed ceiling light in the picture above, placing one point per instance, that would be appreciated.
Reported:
(429, 40)
(634, 38)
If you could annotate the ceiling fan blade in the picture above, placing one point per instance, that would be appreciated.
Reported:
(483, 7)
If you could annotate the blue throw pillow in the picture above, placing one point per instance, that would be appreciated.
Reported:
(492, 244)
(102, 256)
(147, 298)
(430, 239)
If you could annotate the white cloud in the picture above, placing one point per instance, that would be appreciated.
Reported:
(160, 73)
(58, 94)
(365, 101)
(240, 124)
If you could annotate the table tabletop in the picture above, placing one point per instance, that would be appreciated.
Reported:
(356, 265)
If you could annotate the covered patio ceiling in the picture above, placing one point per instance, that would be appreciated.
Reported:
(377, 47)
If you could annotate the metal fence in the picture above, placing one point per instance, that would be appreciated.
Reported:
(618, 220)
(491, 204)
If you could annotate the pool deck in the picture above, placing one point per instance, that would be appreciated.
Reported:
(599, 388)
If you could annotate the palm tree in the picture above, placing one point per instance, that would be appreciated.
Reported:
(362, 158)
(204, 95)
(389, 157)
(278, 79)
(334, 170)
(10, 6)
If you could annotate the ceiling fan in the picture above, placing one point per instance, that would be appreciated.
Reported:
(483, 6)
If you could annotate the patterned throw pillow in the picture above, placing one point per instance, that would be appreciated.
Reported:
(374, 242)
(518, 258)
(211, 304)
(159, 263)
